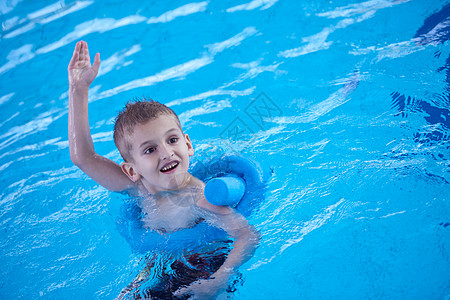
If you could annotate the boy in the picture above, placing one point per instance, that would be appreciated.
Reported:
(156, 160)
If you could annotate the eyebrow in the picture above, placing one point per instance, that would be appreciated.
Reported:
(151, 141)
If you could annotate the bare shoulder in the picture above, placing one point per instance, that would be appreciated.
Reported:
(135, 190)
(203, 203)
(222, 210)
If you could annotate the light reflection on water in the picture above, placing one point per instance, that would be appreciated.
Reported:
(359, 146)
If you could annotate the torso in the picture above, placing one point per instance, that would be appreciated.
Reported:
(173, 210)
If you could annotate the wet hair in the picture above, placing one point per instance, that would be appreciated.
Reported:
(134, 113)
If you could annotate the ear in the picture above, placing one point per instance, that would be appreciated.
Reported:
(129, 170)
(189, 145)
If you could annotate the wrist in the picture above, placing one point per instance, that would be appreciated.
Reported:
(78, 89)
(223, 274)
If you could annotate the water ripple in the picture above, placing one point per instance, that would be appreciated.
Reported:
(181, 70)
(299, 232)
(261, 4)
(118, 60)
(6, 7)
(88, 27)
(335, 100)
(181, 11)
(45, 15)
(207, 108)
(5, 98)
(208, 94)
(360, 8)
(40, 123)
(319, 41)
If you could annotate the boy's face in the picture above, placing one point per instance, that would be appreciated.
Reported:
(160, 155)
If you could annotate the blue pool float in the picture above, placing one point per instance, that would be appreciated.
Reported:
(234, 181)
(231, 180)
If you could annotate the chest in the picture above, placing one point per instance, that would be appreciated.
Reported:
(167, 215)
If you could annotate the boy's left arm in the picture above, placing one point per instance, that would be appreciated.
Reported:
(246, 239)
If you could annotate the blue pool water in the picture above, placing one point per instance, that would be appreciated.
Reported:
(347, 102)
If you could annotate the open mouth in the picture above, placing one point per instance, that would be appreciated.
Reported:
(169, 167)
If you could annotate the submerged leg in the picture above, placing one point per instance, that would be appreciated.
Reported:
(131, 291)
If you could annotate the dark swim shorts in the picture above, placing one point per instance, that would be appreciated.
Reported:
(161, 281)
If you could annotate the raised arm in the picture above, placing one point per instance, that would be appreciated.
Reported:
(104, 171)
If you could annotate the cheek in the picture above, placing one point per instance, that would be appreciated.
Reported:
(146, 163)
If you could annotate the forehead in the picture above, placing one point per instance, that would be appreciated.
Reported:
(155, 129)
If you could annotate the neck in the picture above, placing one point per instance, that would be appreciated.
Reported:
(187, 180)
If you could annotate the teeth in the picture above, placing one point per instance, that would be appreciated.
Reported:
(169, 166)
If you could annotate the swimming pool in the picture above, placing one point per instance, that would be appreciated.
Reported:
(347, 102)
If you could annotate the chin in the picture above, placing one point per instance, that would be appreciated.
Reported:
(176, 181)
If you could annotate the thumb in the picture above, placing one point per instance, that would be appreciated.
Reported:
(96, 64)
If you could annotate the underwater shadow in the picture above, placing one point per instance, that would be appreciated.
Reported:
(435, 30)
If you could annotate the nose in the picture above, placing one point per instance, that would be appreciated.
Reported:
(165, 152)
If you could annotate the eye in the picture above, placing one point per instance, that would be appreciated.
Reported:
(173, 140)
(150, 150)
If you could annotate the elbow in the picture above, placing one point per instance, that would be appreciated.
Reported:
(255, 236)
(251, 240)
(78, 160)
(252, 236)
(80, 154)
(74, 158)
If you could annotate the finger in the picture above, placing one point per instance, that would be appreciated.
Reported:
(75, 54)
(81, 46)
(86, 52)
(96, 64)
(77, 48)
(82, 51)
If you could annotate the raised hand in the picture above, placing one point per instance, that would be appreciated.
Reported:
(81, 73)
(103, 170)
